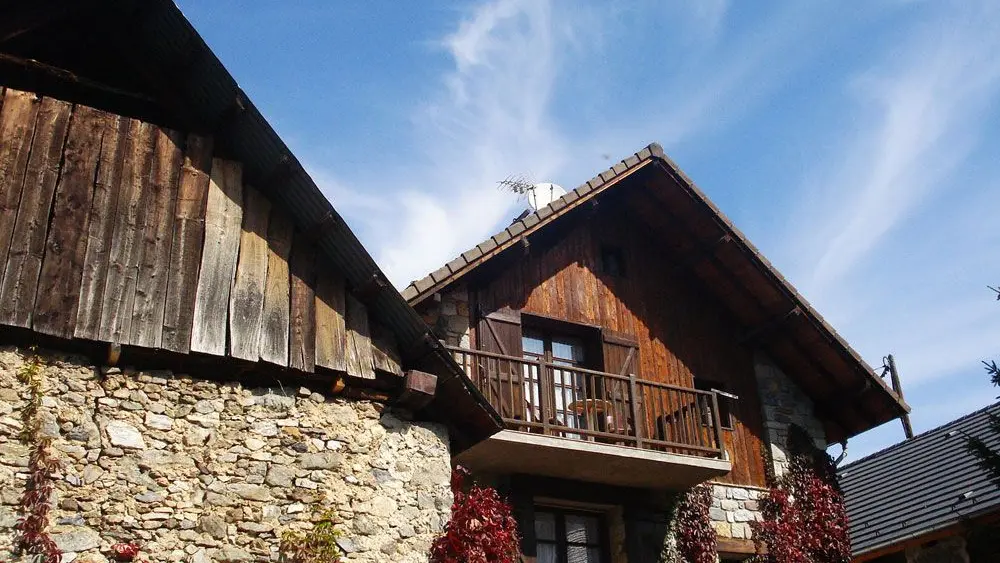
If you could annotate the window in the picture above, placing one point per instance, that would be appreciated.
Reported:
(567, 385)
(564, 536)
(613, 261)
(725, 403)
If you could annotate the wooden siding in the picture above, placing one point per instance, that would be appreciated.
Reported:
(117, 230)
(682, 332)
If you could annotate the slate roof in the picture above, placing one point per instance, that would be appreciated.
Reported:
(919, 486)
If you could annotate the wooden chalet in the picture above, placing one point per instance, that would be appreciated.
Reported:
(149, 214)
(628, 333)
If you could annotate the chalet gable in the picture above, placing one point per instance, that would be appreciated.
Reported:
(667, 205)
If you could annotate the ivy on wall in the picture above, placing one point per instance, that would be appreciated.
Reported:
(805, 520)
(482, 528)
(318, 545)
(696, 538)
(31, 536)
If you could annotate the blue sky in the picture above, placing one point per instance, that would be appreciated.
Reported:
(856, 145)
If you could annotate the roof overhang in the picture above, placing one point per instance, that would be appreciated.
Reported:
(143, 58)
(849, 396)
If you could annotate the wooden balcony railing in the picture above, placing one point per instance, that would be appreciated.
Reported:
(550, 398)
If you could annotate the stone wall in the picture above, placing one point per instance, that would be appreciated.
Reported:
(733, 509)
(197, 470)
(449, 317)
(783, 405)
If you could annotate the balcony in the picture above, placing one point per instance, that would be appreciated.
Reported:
(593, 426)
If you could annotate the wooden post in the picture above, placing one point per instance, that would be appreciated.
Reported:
(633, 392)
(547, 391)
(717, 424)
(898, 388)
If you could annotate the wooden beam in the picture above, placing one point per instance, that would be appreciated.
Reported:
(25, 17)
(760, 331)
(418, 390)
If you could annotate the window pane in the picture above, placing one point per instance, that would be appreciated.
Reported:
(582, 529)
(567, 348)
(545, 526)
(547, 553)
(581, 554)
(533, 344)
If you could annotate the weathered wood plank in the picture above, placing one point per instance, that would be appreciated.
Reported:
(246, 305)
(151, 285)
(59, 283)
(27, 244)
(218, 258)
(359, 344)
(126, 239)
(302, 321)
(17, 126)
(331, 330)
(274, 330)
(385, 353)
(185, 248)
(100, 226)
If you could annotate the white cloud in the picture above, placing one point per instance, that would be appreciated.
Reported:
(921, 105)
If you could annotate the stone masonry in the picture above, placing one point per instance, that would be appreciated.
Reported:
(198, 471)
(783, 405)
(449, 317)
(732, 510)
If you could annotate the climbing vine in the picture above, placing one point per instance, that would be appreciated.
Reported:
(482, 528)
(804, 519)
(318, 545)
(31, 536)
(696, 538)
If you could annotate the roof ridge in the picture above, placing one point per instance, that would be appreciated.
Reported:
(922, 435)
(449, 270)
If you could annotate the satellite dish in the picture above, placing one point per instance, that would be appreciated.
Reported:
(543, 194)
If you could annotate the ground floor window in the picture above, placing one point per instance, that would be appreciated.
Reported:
(568, 536)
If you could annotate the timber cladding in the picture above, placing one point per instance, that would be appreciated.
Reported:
(117, 230)
(679, 330)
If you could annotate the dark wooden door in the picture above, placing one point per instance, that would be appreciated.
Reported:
(501, 380)
(621, 357)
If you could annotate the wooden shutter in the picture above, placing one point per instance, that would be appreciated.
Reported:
(500, 380)
(621, 357)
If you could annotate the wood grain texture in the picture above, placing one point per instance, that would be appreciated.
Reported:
(683, 332)
(100, 226)
(151, 284)
(186, 244)
(17, 127)
(331, 329)
(359, 344)
(27, 244)
(302, 319)
(274, 329)
(246, 305)
(385, 352)
(223, 217)
(126, 239)
(59, 282)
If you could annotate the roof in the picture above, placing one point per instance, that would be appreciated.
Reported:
(921, 485)
(143, 58)
(848, 393)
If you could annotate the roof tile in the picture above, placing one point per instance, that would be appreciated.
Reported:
(440, 274)
(643, 154)
(544, 212)
(531, 220)
(472, 254)
(456, 265)
(516, 228)
(487, 245)
(620, 167)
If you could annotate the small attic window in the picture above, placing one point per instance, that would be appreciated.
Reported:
(612, 261)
